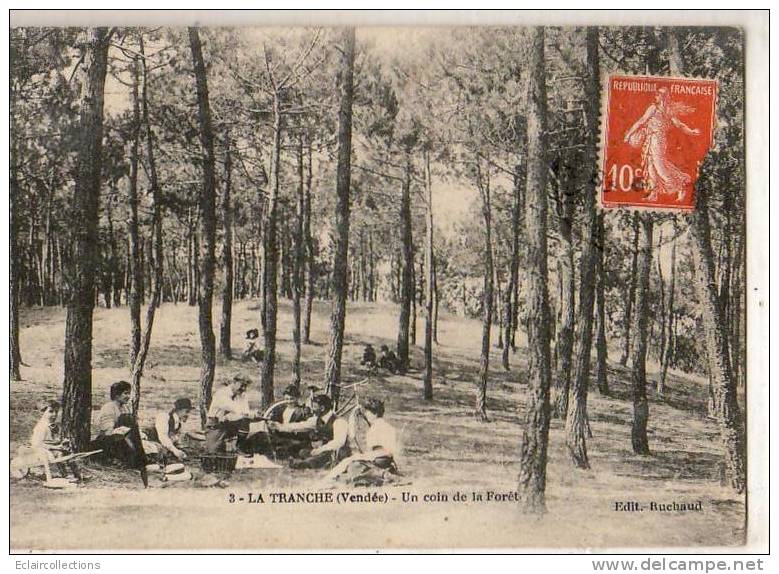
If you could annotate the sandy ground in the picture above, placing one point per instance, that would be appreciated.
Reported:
(446, 451)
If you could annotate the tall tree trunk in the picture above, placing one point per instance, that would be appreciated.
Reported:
(270, 263)
(407, 266)
(668, 356)
(510, 303)
(135, 266)
(600, 298)
(310, 256)
(155, 253)
(567, 293)
(207, 229)
(77, 384)
(631, 295)
(298, 284)
(576, 422)
(483, 183)
(16, 262)
(535, 435)
(430, 284)
(225, 329)
(641, 330)
(341, 215)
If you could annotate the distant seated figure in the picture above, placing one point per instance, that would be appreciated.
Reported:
(388, 360)
(375, 465)
(118, 435)
(252, 352)
(368, 357)
(165, 436)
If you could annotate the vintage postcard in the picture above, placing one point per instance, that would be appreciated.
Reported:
(348, 282)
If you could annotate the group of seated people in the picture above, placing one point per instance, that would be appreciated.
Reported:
(387, 360)
(309, 434)
(306, 433)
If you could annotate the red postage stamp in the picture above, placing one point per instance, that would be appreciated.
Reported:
(657, 132)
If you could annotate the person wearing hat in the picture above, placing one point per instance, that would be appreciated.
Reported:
(251, 352)
(285, 444)
(229, 415)
(165, 435)
(369, 357)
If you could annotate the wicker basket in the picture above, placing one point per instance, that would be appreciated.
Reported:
(218, 462)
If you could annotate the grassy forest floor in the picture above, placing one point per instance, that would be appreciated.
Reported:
(446, 450)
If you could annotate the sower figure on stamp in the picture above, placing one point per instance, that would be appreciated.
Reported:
(650, 133)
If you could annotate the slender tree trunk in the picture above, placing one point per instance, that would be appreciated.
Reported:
(430, 284)
(535, 435)
(631, 296)
(600, 297)
(641, 329)
(567, 292)
(407, 266)
(483, 183)
(77, 384)
(667, 357)
(310, 256)
(207, 229)
(576, 423)
(435, 304)
(16, 256)
(510, 304)
(298, 285)
(341, 216)
(155, 253)
(270, 264)
(134, 256)
(225, 330)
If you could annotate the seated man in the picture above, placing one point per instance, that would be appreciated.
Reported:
(165, 436)
(117, 430)
(373, 466)
(229, 416)
(293, 411)
(46, 442)
(328, 430)
(251, 352)
(284, 444)
(368, 357)
(388, 360)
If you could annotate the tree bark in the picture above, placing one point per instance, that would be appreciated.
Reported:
(601, 343)
(15, 268)
(567, 293)
(668, 355)
(134, 256)
(225, 330)
(631, 296)
(483, 183)
(207, 229)
(341, 216)
(77, 385)
(430, 284)
(576, 422)
(511, 291)
(310, 255)
(155, 254)
(407, 266)
(535, 435)
(639, 437)
(298, 284)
